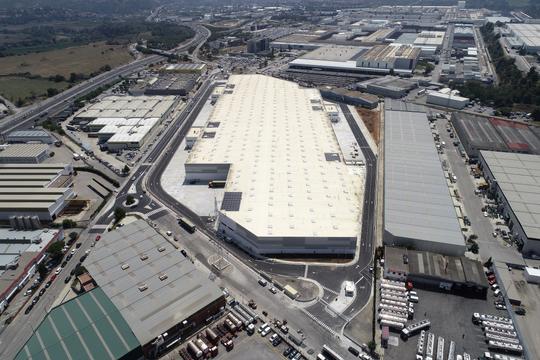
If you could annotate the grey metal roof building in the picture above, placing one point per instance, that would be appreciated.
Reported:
(152, 284)
(494, 134)
(456, 274)
(418, 210)
(24, 154)
(86, 327)
(515, 178)
(23, 136)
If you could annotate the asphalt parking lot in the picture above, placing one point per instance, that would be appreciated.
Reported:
(450, 317)
(254, 346)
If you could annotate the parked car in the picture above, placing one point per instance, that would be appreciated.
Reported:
(273, 290)
(58, 271)
(67, 279)
(520, 311)
(263, 282)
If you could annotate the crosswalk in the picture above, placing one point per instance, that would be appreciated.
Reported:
(320, 323)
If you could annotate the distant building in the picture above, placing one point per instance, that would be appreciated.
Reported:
(478, 132)
(528, 35)
(172, 84)
(426, 270)
(380, 59)
(255, 46)
(447, 98)
(388, 86)
(26, 136)
(24, 154)
(350, 97)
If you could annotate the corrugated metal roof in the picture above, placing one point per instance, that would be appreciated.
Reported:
(518, 176)
(417, 200)
(165, 302)
(86, 327)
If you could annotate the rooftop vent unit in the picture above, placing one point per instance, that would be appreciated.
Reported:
(143, 287)
(143, 257)
(163, 277)
(161, 249)
(125, 266)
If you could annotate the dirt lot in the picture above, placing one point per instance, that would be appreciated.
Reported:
(80, 59)
(372, 121)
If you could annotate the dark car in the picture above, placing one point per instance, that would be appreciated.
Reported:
(83, 258)
(69, 257)
(354, 351)
(78, 245)
(520, 311)
(287, 351)
(64, 263)
(48, 284)
(28, 309)
(73, 271)
(67, 279)
(42, 291)
(35, 300)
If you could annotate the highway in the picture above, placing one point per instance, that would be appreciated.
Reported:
(27, 117)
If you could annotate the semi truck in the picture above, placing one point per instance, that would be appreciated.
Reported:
(415, 328)
(477, 318)
(496, 325)
(505, 347)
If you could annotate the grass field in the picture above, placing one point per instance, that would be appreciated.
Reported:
(14, 88)
(80, 59)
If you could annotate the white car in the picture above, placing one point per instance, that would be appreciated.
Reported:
(262, 327)
(87, 252)
(169, 233)
(58, 270)
(266, 331)
(73, 251)
(486, 214)
(273, 290)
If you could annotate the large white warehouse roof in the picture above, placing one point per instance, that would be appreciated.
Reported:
(282, 152)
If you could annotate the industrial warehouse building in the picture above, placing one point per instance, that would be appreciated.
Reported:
(172, 84)
(388, 86)
(379, 59)
(495, 134)
(527, 35)
(89, 326)
(41, 190)
(26, 136)
(24, 153)
(418, 210)
(515, 180)
(124, 122)
(288, 189)
(447, 98)
(454, 274)
(20, 253)
(158, 291)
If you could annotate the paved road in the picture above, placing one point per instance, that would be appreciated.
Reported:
(27, 117)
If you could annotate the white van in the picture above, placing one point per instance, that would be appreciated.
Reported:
(413, 298)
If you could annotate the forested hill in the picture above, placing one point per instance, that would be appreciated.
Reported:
(93, 6)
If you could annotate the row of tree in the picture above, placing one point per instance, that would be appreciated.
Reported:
(514, 88)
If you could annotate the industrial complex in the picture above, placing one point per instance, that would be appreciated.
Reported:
(515, 181)
(124, 122)
(380, 59)
(526, 35)
(288, 187)
(418, 210)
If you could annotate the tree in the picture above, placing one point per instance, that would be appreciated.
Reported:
(51, 92)
(73, 236)
(55, 250)
(474, 248)
(371, 346)
(130, 200)
(42, 270)
(68, 224)
(79, 270)
(125, 170)
(119, 214)
(51, 154)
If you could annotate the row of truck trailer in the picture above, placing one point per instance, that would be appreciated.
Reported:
(394, 309)
(501, 336)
